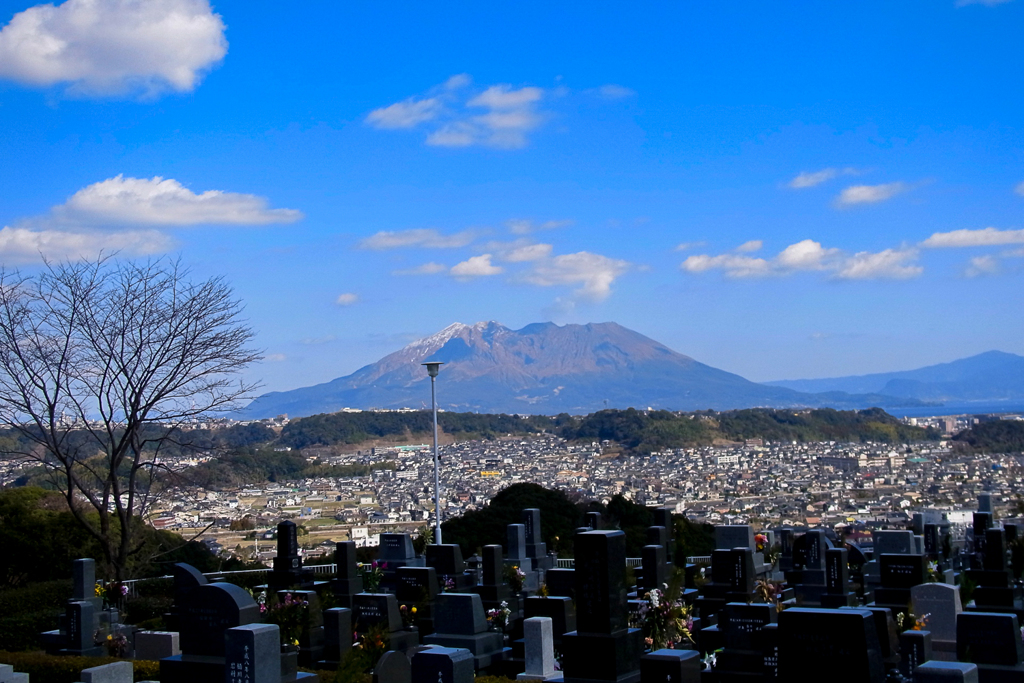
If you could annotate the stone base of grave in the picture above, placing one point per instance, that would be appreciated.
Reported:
(403, 641)
(944, 650)
(192, 669)
(829, 601)
(602, 658)
(487, 648)
(53, 641)
(808, 594)
(710, 639)
(88, 652)
(493, 594)
(888, 597)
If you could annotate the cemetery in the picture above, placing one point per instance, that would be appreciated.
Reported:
(913, 605)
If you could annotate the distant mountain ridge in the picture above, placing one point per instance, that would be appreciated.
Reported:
(989, 376)
(544, 368)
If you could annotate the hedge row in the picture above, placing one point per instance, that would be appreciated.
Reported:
(44, 668)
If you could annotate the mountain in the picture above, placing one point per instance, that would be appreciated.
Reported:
(990, 376)
(542, 369)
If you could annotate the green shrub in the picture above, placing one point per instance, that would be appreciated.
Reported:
(44, 668)
(27, 611)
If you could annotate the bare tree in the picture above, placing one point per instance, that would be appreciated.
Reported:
(100, 364)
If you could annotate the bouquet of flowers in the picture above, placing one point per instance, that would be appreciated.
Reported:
(291, 615)
(665, 622)
(499, 615)
(515, 576)
(112, 592)
(373, 574)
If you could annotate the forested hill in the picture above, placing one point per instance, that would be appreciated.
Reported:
(1001, 436)
(637, 431)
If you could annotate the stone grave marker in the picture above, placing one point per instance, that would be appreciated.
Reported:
(594, 521)
(729, 536)
(115, 672)
(155, 645)
(985, 502)
(337, 636)
(252, 654)
(416, 584)
(671, 666)
(892, 542)
(946, 672)
(517, 547)
(287, 569)
(989, 638)
(393, 667)
(442, 665)
(655, 570)
(397, 551)
(349, 579)
(540, 650)
(460, 622)
(79, 624)
(915, 650)
(813, 642)
(837, 580)
(381, 609)
(561, 582)
(941, 602)
(663, 518)
(602, 648)
(447, 560)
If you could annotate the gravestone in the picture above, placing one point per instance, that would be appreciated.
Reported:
(941, 603)
(397, 551)
(946, 672)
(885, 630)
(349, 579)
(446, 559)
(287, 569)
(995, 550)
(442, 665)
(602, 648)
(381, 609)
(989, 638)
(837, 580)
(337, 636)
(539, 649)
(663, 518)
(252, 654)
(79, 624)
(561, 582)
(9, 675)
(594, 521)
(115, 672)
(729, 536)
(655, 573)
(416, 585)
(932, 542)
(559, 609)
(311, 637)
(982, 521)
(813, 642)
(985, 502)
(671, 666)
(899, 573)
(460, 622)
(492, 589)
(889, 542)
(393, 667)
(83, 582)
(658, 535)
(155, 645)
(740, 626)
(517, 547)
(536, 549)
(915, 650)
(203, 612)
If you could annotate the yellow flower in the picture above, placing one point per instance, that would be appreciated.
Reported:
(414, 610)
(110, 637)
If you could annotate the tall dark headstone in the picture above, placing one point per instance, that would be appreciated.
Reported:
(442, 665)
(287, 571)
(655, 573)
(813, 642)
(536, 549)
(837, 579)
(252, 654)
(594, 521)
(349, 579)
(337, 636)
(602, 648)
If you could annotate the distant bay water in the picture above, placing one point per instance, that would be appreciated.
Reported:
(970, 408)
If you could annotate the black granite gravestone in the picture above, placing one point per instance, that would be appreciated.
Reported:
(393, 667)
(337, 636)
(442, 665)
(460, 622)
(815, 641)
(837, 579)
(252, 654)
(655, 573)
(349, 579)
(671, 666)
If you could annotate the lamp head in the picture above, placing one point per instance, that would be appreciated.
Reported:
(432, 368)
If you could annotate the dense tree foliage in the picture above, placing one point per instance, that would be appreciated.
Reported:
(256, 466)
(1001, 436)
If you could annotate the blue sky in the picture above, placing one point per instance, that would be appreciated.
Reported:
(782, 191)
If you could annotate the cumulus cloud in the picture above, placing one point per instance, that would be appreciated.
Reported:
(346, 299)
(159, 201)
(431, 268)
(24, 245)
(593, 273)
(891, 264)
(808, 255)
(496, 116)
(418, 237)
(870, 194)
(746, 247)
(985, 237)
(982, 265)
(612, 91)
(476, 266)
(519, 226)
(810, 179)
(113, 47)
(407, 114)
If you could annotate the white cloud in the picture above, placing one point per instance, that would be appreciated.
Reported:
(733, 265)
(986, 3)
(746, 247)
(808, 255)
(156, 201)
(612, 91)
(23, 245)
(476, 266)
(274, 357)
(420, 237)
(1019, 188)
(407, 114)
(810, 179)
(498, 116)
(426, 269)
(870, 194)
(518, 226)
(104, 47)
(982, 265)
(890, 264)
(346, 299)
(684, 246)
(804, 255)
(985, 237)
(594, 273)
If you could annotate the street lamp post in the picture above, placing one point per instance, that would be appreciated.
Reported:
(432, 369)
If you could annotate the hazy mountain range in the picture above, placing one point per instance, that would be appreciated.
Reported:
(547, 369)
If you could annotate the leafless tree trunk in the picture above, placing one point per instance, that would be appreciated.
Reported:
(100, 363)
